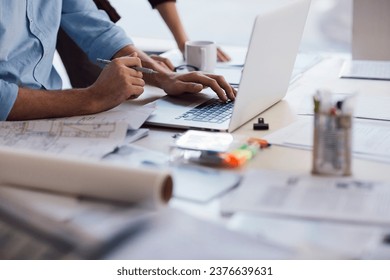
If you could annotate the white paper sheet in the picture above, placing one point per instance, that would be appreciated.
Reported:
(312, 239)
(92, 140)
(305, 196)
(366, 107)
(366, 69)
(134, 135)
(132, 114)
(370, 138)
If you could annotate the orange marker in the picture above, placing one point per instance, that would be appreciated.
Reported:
(261, 142)
(233, 160)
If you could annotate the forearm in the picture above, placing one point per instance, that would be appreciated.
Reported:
(38, 104)
(151, 79)
(173, 83)
(145, 59)
(170, 15)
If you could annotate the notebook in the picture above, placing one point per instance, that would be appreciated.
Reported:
(269, 62)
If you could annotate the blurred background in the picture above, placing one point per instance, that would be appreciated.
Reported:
(229, 22)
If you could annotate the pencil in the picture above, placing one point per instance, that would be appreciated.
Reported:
(141, 69)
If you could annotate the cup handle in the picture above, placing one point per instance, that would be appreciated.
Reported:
(204, 59)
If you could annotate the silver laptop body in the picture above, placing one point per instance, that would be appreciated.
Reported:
(269, 62)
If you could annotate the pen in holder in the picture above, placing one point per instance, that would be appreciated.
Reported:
(332, 139)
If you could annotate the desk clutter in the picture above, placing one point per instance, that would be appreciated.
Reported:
(332, 139)
(85, 178)
(91, 229)
(215, 149)
(193, 183)
(87, 171)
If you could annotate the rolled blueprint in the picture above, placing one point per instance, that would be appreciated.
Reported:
(82, 177)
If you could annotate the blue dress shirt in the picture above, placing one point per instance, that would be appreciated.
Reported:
(28, 33)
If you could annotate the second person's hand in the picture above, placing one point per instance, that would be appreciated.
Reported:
(163, 61)
(222, 56)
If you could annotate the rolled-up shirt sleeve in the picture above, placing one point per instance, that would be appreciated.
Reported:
(92, 29)
(154, 3)
(8, 94)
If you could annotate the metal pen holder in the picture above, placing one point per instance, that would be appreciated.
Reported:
(332, 144)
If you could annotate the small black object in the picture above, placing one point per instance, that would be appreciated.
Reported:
(386, 239)
(339, 105)
(260, 126)
(185, 68)
(260, 120)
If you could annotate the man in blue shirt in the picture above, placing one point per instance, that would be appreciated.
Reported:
(30, 87)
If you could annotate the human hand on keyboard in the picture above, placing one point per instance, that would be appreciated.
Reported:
(195, 82)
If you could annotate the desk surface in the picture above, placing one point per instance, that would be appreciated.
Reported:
(347, 241)
(323, 75)
(301, 238)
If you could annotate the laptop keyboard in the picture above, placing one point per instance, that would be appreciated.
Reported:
(212, 111)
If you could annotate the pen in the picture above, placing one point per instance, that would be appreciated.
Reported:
(141, 69)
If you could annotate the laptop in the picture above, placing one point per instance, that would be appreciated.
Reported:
(269, 62)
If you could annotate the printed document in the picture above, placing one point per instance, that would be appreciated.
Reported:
(306, 196)
(366, 107)
(92, 140)
(370, 140)
(132, 114)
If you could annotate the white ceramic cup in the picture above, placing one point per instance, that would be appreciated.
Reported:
(201, 54)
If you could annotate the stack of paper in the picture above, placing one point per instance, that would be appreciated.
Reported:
(366, 69)
(369, 140)
(310, 197)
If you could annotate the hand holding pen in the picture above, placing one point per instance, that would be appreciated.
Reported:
(138, 68)
(117, 83)
(175, 84)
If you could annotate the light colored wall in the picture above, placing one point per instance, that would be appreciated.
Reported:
(371, 29)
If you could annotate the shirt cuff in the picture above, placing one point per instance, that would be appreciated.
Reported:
(154, 3)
